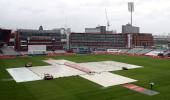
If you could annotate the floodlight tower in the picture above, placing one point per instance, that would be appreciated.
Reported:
(131, 9)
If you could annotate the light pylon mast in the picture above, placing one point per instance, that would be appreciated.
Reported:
(131, 10)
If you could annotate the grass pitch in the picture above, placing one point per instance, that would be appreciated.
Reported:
(77, 88)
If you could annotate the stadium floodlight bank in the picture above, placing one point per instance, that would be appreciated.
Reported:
(131, 9)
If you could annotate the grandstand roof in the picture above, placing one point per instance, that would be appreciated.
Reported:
(37, 31)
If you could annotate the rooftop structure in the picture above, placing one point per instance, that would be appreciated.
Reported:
(128, 28)
(98, 29)
(161, 39)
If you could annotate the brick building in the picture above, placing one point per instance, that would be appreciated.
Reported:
(142, 39)
(50, 39)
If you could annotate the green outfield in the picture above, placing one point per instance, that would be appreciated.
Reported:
(77, 88)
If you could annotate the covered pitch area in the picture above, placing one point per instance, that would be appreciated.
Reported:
(96, 72)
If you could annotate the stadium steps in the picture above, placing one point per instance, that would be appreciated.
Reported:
(1, 52)
(124, 50)
(134, 50)
(144, 51)
(7, 51)
(167, 52)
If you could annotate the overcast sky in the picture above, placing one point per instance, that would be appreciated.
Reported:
(153, 16)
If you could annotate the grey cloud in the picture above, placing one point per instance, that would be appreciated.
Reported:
(84, 13)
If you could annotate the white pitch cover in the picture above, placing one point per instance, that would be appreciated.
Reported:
(58, 69)
(107, 79)
(23, 74)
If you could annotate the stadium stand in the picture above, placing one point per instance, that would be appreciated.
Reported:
(47, 52)
(7, 51)
(113, 50)
(144, 51)
(134, 50)
(124, 50)
(1, 53)
(50, 53)
(38, 53)
(167, 53)
(25, 53)
(153, 53)
(54, 53)
(59, 51)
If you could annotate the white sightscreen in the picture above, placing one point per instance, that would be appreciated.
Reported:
(33, 48)
(129, 40)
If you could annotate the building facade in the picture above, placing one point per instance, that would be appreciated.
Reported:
(65, 32)
(50, 39)
(128, 28)
(94, 41)
(92, 30)
(98, 29)
(142, 40)
(63, 39)
(4, 36)
(161, 39)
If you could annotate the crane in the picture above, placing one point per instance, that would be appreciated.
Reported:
(107, 20)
